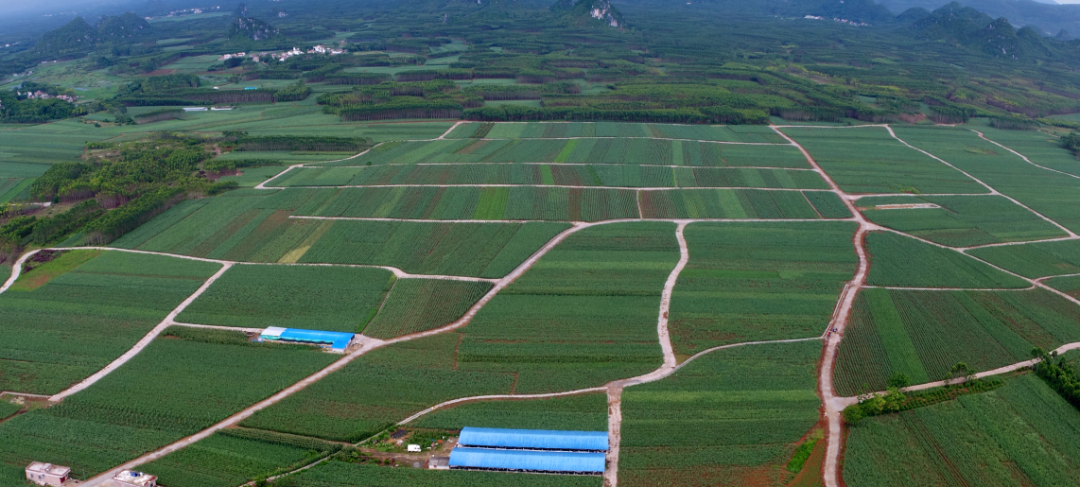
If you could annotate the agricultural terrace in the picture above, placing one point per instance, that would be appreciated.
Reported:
(713, 296)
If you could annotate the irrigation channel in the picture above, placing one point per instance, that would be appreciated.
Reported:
(832, 335)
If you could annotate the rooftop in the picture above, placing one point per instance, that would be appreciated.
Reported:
(533, 461)
(534, 439)
(42, 467)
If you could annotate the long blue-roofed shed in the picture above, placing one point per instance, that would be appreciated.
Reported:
(527, 460)
(515, 439)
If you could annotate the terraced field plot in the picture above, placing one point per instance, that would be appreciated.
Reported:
(960, 221)
(1021, 434)
(254, 296)
(868, 160)
(591, 151)
(759, 281)
(542, 130)
(255, 227)
(923, 334)
(729, 418)
(123, 416)
(1054, 195)
(1037, 259)
(70, 317)
(552, 175)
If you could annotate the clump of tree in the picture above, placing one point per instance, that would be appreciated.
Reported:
(1072, 142)
(960, 380)
(1058, 374)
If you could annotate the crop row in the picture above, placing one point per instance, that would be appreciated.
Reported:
(323, 298)
(594, 151)
(762, 281)
(174, 388)
(1019, 434)
(217, 228)
(731, 417)
(924, 334)
(59, 329)
(554, 174)
(542, 130)
(962, 220)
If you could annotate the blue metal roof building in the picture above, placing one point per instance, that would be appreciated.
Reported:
(338, 341)
(534, 439)
(528, 461)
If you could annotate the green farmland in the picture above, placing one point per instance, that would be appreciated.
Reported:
(715, 293)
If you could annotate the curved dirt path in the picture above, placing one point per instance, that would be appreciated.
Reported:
(983, 137)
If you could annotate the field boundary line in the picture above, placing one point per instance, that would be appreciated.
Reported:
(724, 142)
(499, 397)
(565, 186)
(987, 186)
(996, 289)
(144, 342)
(598, 222)
(217, 327)
(1019, 242)
(983, 137)
(398, 273)
(451, 129)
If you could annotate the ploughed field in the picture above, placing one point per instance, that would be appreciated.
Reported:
(676, 281)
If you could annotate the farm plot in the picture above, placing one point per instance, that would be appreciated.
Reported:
(473, 203)
(545, 130)
(906, 262)
(590, 151)
(732, 417)
(587, 412)
(1040, 148)
(16, 178)
(1068, 285)
(1054, 195)
(961, 221)
(583, 315)
(761, 281)
(554, 174)
(1022, 434)
(828, 204)
(1035, 259)
(320, 298)
(68, 318)
(341, 474)
(248, 228)
(868, 160)
(179, 385)
(48, 144)
(735, 204)
(234, 456)
(417, 305)
(923, 334)
(380, 389)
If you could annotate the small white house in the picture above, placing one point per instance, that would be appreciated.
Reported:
(195, 109)
(47, 474)
(131, 478)
(413, 448)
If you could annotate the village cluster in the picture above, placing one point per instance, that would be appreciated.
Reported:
(281, 56)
